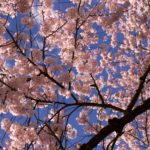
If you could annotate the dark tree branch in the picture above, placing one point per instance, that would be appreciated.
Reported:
(99, 93)
(12, 88)
(113, 142)
(107, 130)
(139, 89)
(84, 104)
(54, 135)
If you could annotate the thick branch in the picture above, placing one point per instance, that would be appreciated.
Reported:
(107, 130)
(139, 89)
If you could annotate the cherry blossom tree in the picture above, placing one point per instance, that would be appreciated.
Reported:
(75, 74)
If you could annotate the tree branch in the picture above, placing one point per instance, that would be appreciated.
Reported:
(96, 86)
(139, 89)
(107, 130)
